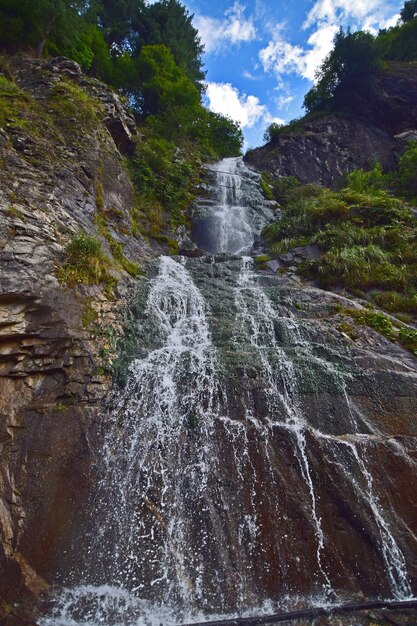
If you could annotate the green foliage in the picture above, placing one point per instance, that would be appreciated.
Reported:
(219, 136)
(85, 262)
(367, 238)
(359, 267)
(365, 181)
(283, 187)
(104, 36)
(166, 89)
(272, 133)
(165, 179)
(376, 320)
(118, 19)
(168, 22)
(396, 302)
(409, 10)
(408, 338)
(406, 175)
(353, 59)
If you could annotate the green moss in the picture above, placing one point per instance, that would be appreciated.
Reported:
(261, 261)
(266, 189)
(14, 104)
(15, 212)
(85, 263)
(71, 105)
(89, 314)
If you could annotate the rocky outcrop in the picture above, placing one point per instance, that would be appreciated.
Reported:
(59, 176)
(366, 127)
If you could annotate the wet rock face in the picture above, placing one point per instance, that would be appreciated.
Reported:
(323, 150)
(51, 384)
(370, 126)
(258, 442)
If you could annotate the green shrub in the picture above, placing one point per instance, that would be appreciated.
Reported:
(396, 302)
(358, 267)
(70, 103)
(408, 338)
(85, 262)
(406, 176)
(366, 181)
(283, 187)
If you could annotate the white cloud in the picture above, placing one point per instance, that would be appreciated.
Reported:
(368, 15)
(245, 109)
(284, 101)
(321, 42)
(235, 28)
(281, 57)
(250, 76)
(336, 11)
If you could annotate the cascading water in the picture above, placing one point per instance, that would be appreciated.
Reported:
(231, 218)
(239, 468)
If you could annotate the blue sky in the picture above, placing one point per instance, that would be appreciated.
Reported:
(261, 55)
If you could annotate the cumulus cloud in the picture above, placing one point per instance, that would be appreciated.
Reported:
(324, 20)
(235, 28)
(245, 109)
(282, 57)
(283, 101)
(336, 11)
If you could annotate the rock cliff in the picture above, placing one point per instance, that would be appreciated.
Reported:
(62, 172)
(362, 129)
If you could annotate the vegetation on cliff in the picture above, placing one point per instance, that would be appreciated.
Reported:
(152, 56)
(366, 233)
(347, 75)
(356, 57)
(365, 229)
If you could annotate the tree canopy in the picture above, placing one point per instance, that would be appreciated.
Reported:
(151, 53)
(409, 10)
(103, 35)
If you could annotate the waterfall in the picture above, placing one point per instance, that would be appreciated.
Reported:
(238, 469)
(233, 215)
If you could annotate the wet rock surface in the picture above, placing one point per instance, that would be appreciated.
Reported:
(259, 442)
(52, 379)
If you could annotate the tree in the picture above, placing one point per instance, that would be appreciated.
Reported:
(30, 25)
(217, 134)
(409, 11)
(166, 91)
(354, 58)
(116, 19)
(168, 22)
(272, 133)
